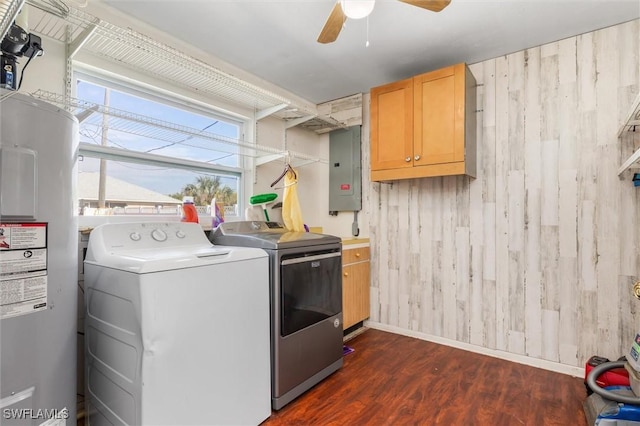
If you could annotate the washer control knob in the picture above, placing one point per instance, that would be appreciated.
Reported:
(180, 234)
(159, 235)
(135, 236)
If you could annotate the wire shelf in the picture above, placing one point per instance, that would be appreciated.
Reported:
(8, 11)
(79, 30)
(631, 123)
(144, 126)
(142, 53)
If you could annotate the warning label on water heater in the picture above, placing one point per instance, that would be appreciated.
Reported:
(23, 268)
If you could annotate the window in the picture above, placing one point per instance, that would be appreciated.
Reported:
(145, 153)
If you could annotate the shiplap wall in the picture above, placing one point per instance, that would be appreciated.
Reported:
(537, 255)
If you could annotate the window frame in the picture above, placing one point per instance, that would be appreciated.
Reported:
(160, 95)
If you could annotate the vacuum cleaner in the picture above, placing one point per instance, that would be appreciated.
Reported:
(612, 377)
(611, 404)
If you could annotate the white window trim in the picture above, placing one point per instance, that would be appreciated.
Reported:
(123, 155)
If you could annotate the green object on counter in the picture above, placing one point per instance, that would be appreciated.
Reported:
(263, 199)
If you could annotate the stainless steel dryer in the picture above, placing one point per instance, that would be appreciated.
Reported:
(306, 302)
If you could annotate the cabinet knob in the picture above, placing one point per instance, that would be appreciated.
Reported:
(636, 289)
(357, 254)
(346, 274)
(407, 159)
(416, 158)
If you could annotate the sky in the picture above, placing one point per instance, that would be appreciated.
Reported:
(131, 135)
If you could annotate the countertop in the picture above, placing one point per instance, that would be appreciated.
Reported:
(349, 242)
(354, 243)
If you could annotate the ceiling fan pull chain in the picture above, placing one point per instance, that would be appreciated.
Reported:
(367, 43)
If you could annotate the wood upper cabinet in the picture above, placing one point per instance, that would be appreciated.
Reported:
(424, 126)
(392, 125)
(355, 286)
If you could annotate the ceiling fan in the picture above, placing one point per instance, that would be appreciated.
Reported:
(356, 9)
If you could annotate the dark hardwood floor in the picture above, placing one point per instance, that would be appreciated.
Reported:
(398, 380)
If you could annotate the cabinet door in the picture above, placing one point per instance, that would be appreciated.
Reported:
(439, 101)
(392, 125)
(355, 293)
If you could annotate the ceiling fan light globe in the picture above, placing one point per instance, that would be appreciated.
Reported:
(357, 9)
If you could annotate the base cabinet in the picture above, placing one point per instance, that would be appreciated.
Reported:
(355, 285)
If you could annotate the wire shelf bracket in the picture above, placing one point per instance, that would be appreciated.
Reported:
(630, 123)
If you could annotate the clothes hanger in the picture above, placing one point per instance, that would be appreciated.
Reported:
(287, 167)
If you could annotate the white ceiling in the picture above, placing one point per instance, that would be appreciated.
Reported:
(276, 39)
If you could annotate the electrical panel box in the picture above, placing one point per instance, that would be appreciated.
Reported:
(345, 170)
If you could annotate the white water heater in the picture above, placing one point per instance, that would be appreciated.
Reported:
(38, 262)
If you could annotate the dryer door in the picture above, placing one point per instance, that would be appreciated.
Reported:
(311, 289)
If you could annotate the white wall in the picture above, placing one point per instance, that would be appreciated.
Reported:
(271, 132)
(313, 179)
(46, 72)
(536, 257)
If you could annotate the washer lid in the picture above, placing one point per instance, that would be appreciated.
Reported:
(147, 261)
(153, 247)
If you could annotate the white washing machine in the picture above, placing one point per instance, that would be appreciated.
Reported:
(177, 329)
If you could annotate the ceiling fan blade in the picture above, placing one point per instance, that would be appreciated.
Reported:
(332, 27)
(432, 5)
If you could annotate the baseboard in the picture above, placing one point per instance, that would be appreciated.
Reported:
(520, 359)
(354, 331)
